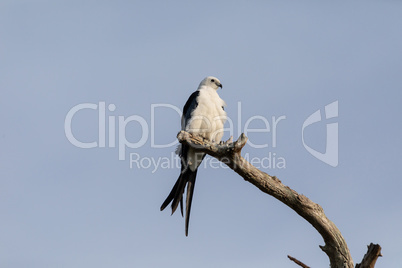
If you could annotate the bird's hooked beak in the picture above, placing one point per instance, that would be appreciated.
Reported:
(220, 85)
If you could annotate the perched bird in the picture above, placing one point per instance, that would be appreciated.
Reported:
(204, 116)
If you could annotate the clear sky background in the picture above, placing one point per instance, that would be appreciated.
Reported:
(63, 206)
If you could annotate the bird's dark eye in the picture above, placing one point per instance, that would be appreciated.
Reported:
(212, 80)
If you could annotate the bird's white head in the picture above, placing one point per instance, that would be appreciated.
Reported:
(212, 82)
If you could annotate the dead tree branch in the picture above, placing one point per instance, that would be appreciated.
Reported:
(230, 154)
(298, 262)
(370, 258)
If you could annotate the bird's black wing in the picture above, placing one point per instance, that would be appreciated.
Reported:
(190, 105)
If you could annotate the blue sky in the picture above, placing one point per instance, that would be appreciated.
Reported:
(64, 206)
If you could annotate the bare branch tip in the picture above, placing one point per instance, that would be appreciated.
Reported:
(298, 262)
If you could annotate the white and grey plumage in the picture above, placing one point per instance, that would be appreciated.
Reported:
(203, 115)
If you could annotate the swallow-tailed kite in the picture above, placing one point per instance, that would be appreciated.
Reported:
(203, 115)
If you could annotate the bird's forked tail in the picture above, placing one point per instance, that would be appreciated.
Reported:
(187, 177)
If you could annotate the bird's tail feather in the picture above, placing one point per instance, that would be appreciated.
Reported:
(187, 177)
(189, 199)
(176, 194)
(171, 195)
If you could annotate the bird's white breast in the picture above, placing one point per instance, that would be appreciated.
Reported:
(208, 118)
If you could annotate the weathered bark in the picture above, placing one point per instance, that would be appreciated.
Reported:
(370, 258)
(230, 154)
